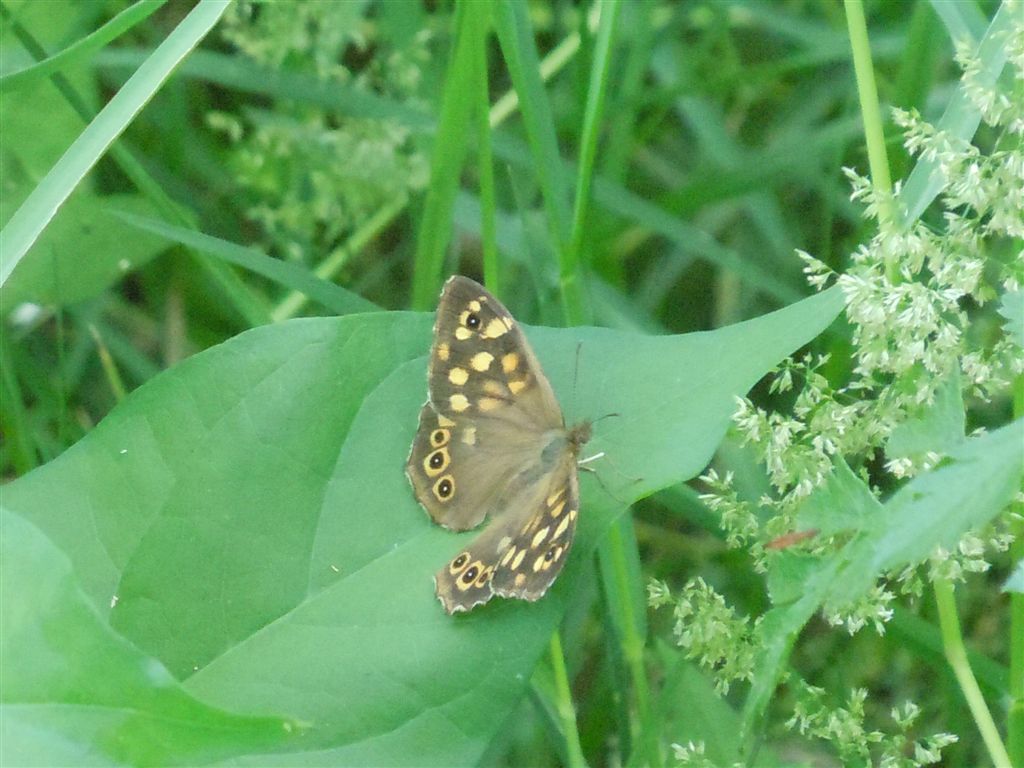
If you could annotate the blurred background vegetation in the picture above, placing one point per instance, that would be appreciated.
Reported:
(308, 131)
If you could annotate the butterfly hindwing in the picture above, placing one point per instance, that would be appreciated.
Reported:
(539, 548)
(520, 553)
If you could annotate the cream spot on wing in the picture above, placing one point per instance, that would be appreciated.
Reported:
(443, 352)
(572, 514)
(469, 436)
(520, 579)
(444, 421)
(474, 305)
(459, 403)
(509, 362)
(562, 528)
(518, 559)
(488, 403)
(538, 563)
(458, 376)
(515, 387)
(555, 496)
(495, 328)
(481, 361)
(557, 509)
(462, 333)
(540, 536)
(504, 542)
(508, 322)
(492, 387)
(508, 556)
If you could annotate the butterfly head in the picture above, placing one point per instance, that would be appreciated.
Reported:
(579, 436)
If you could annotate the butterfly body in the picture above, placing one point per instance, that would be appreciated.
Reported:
(492, 443)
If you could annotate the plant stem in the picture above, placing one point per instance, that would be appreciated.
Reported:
(293, 303)
(1015, 714)
(564, 705)
(874, 134)
(956, 654)
(614, 549)
(575, 308)
(488, 195)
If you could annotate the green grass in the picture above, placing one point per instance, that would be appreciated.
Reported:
(214, 226)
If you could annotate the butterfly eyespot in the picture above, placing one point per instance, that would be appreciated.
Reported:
(551, 554)
(444, 488)
(436, 462)
(485, 576)
(470, 575)
(472, 321)
(439, 437)
(459, 562)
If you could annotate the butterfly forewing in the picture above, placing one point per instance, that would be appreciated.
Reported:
(491, 442)
(481, 362)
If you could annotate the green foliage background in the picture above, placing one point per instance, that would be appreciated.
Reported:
(216, 216)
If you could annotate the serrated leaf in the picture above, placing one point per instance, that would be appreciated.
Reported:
(936, 508)
(938, 425)
(1011, 307)
(1016, 581)
(843, 503)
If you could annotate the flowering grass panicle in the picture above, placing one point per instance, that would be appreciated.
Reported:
(314, 174)
(915, 297)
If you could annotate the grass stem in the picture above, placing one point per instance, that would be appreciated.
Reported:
(956, 654)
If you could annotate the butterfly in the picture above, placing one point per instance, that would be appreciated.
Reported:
(492, 443)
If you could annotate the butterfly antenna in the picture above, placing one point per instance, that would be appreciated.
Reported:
(576, 375)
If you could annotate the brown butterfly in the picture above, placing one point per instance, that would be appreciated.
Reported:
(492, 443)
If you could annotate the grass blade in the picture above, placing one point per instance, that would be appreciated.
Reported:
(44, 201)
(117, 26)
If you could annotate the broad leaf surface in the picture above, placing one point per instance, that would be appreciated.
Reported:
(249, 511)
(76, 693)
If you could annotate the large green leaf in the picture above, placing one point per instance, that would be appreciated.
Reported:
(249, 511)
(75, 693)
